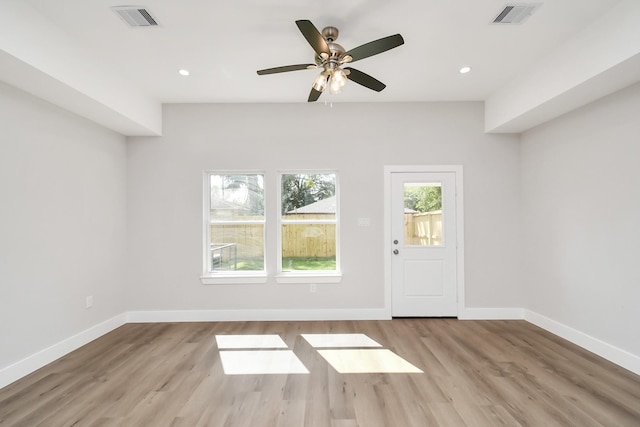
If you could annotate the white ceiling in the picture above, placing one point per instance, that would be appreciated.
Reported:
(81, 55)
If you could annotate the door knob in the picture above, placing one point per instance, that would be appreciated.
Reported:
(395, 252)
(395, 242)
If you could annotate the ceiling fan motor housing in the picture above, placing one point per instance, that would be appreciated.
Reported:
(330, 34)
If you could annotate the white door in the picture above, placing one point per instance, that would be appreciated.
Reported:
(423, 244)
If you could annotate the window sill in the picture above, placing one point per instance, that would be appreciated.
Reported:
(229, 279)
(302, 278)
(309, 278)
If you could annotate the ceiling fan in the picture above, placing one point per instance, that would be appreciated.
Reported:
(331, 57)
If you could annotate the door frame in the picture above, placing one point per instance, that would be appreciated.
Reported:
(457, 170)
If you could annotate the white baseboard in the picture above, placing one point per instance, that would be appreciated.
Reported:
(302, 315)
(37, 360)
(611, 353)
(256, 315)
(470, 313)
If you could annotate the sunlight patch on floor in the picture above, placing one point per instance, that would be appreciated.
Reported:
(339, 340)
(346, 353)
(367, 361)
(250, 341)
(259, 362)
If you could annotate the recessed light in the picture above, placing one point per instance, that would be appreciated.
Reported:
(465, 70)
(183, 72)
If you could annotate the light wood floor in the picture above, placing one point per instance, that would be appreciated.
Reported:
(476, 373)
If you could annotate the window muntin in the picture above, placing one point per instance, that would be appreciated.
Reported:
(308, 240)
(235, 232)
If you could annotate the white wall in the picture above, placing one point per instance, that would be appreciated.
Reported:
(165, 196)
(62, 224)
(74, 197)
(581, 221)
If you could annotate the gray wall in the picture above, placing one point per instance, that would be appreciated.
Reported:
(581, 222)
(165, 196)
(62, 224)
(551, 218)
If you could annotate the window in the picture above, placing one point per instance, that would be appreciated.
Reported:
(235, 224)
(308, 224)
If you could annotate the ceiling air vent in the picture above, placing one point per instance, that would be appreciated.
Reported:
(135, 16)
(516, 13)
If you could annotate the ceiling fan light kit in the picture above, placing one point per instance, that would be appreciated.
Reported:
(331, 58)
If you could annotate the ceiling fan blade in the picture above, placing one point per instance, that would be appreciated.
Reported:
(364, 79)
(314, 95)
(375, 47)
(313, 36)
(286, 68)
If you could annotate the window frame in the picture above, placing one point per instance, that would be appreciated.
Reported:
(229, 277)
(308, 276)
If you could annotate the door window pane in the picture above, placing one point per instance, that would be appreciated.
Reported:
(423, 214)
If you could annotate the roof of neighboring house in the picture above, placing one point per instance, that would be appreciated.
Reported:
(324, 206)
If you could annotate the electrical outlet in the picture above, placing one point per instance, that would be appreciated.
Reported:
(312, 288)
(89, 302)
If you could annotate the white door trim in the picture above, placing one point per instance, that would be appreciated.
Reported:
(457, 169)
